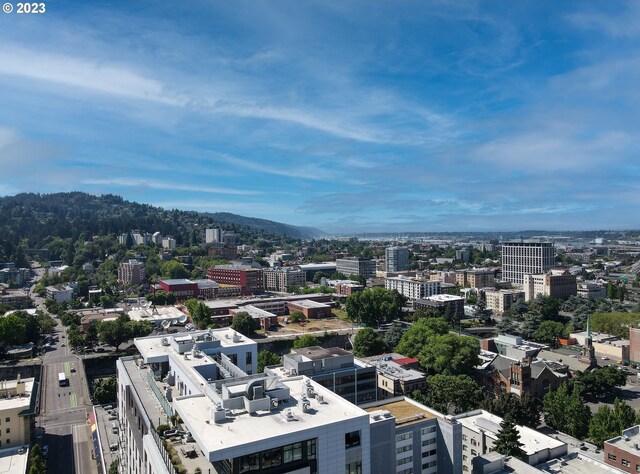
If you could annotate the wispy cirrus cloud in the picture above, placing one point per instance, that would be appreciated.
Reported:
(141, 183)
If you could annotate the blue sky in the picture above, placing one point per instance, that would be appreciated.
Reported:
(345, 115)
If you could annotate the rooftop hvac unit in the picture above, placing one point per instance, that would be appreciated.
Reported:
(320, 399)
(287, 415)
(164, 341)
(274, 403)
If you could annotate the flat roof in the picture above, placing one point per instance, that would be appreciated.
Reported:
(576, 463)
(13, 463)
(392, 369)
(240, 429)
(628, 441)
(405, 411)
(532, 440)
(22, 401)
(444, 297)
(318, 353)
(309, 304)
(157, 313)
(178, 281)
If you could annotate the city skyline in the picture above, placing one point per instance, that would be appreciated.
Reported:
(348, 117)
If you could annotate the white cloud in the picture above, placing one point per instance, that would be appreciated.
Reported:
(168, 185)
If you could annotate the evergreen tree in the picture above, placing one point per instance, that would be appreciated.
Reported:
(508, 441)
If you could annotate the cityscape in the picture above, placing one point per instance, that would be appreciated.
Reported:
(319, 237)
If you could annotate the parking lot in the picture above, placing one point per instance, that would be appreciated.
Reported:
(105, 419)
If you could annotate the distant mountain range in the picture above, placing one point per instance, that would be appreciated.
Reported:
(38, 217)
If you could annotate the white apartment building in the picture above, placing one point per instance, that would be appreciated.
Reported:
(282, 279)
(396, 259)
(17, 412)
(526, 258)
(60, 293)
(413, 288)
(480, 431)
(234, 422)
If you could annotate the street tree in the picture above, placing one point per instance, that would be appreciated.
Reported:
(306, 340)
(549, 332)
(450, 394)
(244, 323)
(419, 334)
(266, 358)
(368, 342)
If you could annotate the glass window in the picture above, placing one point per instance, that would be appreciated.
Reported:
(626, 463)
(353, 468)
(611, 457)
(271, 458)
(352, 439)
(311, 449)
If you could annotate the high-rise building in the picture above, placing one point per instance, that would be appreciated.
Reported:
(131, 272)
(356, 266)
(396, 259)
(526, 258)
(213, 236)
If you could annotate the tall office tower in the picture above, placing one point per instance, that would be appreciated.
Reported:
(396, 259)
(213, 236)
(526, 258)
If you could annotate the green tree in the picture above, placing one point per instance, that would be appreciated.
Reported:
(608, 423)
(306, 340)
(450, 354)
(368, 342)
(373, 306)
(578, 416)
(507, 325)
(599, 381)
(13, 329)
(549, 332)
(450, 394)
(105, 390)
(419, 334)
(173, 269)
(393, 336)
(266, 358)
(296, 317)
(525, 410)
(244, 323)
(113, 467)
(37, 464)
(554, 405)
(508, 440)
(122, 329)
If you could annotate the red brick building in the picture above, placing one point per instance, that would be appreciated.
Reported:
(622, 451)
(249, 279)
(310, 309)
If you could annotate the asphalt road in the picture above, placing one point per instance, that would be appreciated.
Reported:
(64, 410)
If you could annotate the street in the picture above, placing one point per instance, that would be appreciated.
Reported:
(64, 410)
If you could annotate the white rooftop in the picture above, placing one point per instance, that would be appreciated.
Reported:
(243, 433)
(576, 463)
(159, 313)
(13, 463)
(21, 401)
(444, 297)
(532, 440)
(310, 304)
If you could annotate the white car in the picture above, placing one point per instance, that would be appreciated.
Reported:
(605, 358)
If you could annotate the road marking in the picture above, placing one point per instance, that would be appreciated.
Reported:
(67, 369)
(73, 399)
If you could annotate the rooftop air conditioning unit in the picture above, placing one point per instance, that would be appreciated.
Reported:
(274, 403)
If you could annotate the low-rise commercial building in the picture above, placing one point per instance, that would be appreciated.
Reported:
(311, 309)
(60, 293)
(622, 451)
